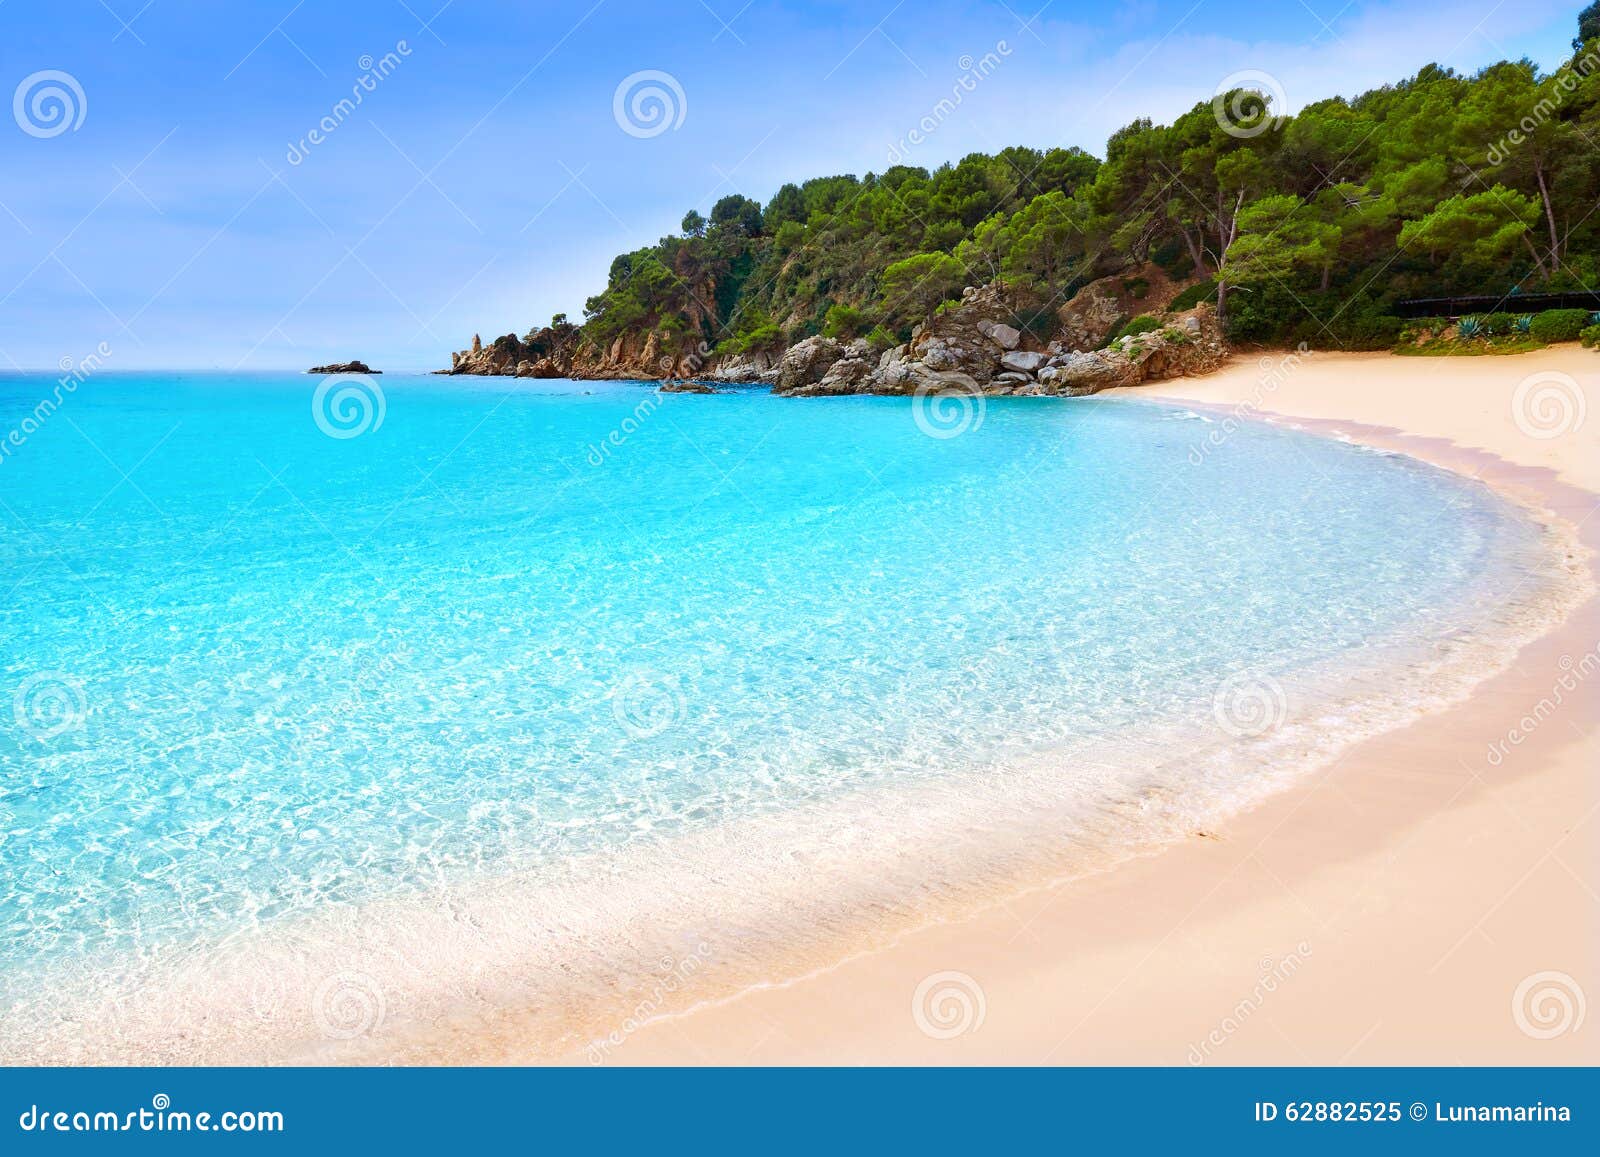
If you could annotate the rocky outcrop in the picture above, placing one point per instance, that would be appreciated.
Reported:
(806, 363)
(558, 351)
(357, 367)
(1103, 306)
(951, 351)
(742, 368)
(977, 344)
(963, 343)
(1188, 344)
(563, 351)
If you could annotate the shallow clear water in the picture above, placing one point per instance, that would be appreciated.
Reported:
(250, 668)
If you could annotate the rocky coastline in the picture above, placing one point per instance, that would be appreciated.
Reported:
(975, 345)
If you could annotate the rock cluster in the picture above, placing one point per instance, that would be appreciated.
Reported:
(357, 367)
(968, 346)
(976, 344)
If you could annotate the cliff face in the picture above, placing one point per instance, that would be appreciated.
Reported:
(973, 345)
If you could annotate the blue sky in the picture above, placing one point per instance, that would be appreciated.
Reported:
(485, 182)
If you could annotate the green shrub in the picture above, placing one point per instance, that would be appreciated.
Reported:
(1200, 291)
(763, 337)
(844, 322)
(1144, 323)
(881, 339)
(1136, 287)
(1173, 256)
(1590, 336)
(1369, 331)
(1499, 324)
(1559, 324)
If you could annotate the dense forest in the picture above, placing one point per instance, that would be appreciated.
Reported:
(1307, 227)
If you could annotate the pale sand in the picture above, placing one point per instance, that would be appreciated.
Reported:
(1414, 884)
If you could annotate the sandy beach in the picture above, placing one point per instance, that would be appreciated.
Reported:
(1431, 898)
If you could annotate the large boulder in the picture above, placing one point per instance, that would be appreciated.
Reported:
(753, 367)
(806, 363)
(1023, 361)
(1007, 337)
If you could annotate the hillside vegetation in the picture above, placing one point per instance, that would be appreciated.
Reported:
(1302, 228)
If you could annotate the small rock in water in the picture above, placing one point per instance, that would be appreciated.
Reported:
(356, 367)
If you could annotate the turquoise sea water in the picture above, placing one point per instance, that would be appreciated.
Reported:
(250, 670)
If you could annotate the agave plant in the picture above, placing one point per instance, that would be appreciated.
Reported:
(1594, 318)
(1470, 327)
(1524, 324)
